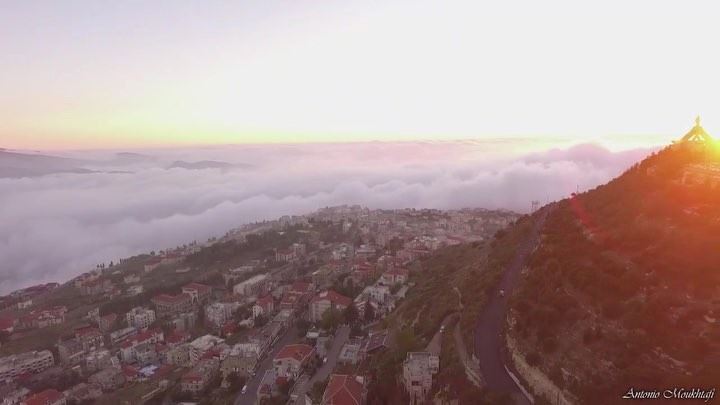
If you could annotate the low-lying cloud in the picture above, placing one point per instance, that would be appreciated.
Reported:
(55, 226)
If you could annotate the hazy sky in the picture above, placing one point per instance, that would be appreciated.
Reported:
(56, 226)
(88, 74)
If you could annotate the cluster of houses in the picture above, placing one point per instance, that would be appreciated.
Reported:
(195, 331)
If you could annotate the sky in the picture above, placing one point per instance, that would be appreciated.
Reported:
(304, 104)
(85, 74)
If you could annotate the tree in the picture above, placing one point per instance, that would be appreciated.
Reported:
(236, 381)
(331, 318)
(302, 326)
(350, 314)
(369, 312)
(395, 288)
(316, 393)
(260, 321)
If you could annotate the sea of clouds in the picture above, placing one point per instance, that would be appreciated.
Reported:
(55, 226)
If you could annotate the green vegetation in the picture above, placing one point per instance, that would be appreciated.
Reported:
(619, 289)
(453, 280)
(229, 254)
(386, 367)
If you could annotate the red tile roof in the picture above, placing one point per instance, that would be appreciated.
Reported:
(129, 371)
(48, 396)
(301, 287)
(109, 317)
(399, 271)
(342, 390)
(170, 299)
(178, 337)
(191, 376)
(199, 287)
(299, 352)
(333, 297)
(85, 331)
(265, 300)
(6, 323)
(153, 260)
(139, 338)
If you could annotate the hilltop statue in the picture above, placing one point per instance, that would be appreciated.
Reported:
(697, 134)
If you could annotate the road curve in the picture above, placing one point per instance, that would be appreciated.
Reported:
(489, 341)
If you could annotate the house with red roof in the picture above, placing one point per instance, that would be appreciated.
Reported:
(291, 359)
(90, 338)
(152, 264)
(301, 287)
(199, 293)
(264, 305)
(198, 378)
(128, 346)
(344, 390)
(285, 255)
(325, 301)
(7, 324)
(171, 258)
(131, 373)
(397, 275)
(297, 295)
(166, 304)
(362, 272)
(290, 301)
(47, 397)
(43, 318)
(177, 338)
(107, 322)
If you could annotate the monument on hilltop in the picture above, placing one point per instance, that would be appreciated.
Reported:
(697, 134)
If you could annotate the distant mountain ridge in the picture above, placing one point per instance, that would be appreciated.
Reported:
(206, 164)
(15, 165)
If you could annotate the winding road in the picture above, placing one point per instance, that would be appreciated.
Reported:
(489, 341)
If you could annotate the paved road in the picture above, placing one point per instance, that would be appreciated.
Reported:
(250, 396)
(435, 344)
(341, 336)
(489, 343)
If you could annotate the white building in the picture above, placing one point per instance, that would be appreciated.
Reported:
(202, 345)
(134, 290)
(418, 371)
(122, 334)
(251, 286)
(219, 312)
(140, 317)
(379, 294)
(29, 362)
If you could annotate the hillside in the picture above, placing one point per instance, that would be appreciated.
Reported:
(624, 289)
(450, 287)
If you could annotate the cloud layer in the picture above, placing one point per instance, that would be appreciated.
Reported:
(56, 226)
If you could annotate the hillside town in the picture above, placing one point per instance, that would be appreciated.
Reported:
(282, 311)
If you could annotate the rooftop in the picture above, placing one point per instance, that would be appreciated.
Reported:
(48, 396)
(198, 287)
(343, 390)
(299, 352)
(333, 297)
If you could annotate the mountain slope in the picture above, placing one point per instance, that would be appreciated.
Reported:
(624, 289)
(15, 165)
